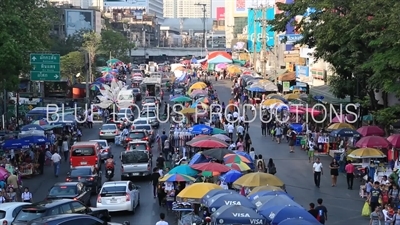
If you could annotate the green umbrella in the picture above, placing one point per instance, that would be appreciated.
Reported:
(181, 99)
(113, 61)
(185, 170)
(105, 69)
(218, 131)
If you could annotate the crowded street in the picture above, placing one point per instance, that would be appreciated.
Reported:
(343, 205)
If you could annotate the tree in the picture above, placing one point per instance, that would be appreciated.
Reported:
(92, 45)
(115, 44)
(24, 29)
(72, 64)
(70, 44)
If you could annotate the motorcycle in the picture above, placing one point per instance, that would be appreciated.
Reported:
(109, 174)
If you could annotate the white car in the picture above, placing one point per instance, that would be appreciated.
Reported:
(117, 196)
(151, 116)
(140, 121)
(9, 210)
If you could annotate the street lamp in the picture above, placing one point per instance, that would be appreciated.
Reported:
(204, 22)
(144, 30)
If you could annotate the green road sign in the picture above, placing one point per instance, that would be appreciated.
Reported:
(45, 67)
(45, 76)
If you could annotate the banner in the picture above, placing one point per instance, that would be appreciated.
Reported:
(220, 13)
(302, 71)
(77, 20)
(254, 29)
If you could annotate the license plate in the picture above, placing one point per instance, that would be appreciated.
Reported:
(109, 133)
(109, 172)
(83, 163)
(113, 201)
(135, 174)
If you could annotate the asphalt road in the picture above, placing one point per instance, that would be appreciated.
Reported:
(344, 206)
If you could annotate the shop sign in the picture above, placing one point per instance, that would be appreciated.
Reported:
(302, 71)
(293, 58)
(286, 86)
(318, 73)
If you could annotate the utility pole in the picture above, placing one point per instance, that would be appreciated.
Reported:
(254, 39)
(264, 41)
(204, 23)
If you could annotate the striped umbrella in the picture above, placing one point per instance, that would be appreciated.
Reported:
(41, 122)
(233, 158)
(177, 177)
(241, 166)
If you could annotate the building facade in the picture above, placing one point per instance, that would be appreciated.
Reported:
(187, 8)
(137, 7)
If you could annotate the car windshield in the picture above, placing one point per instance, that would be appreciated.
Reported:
(82, 151)
(148, 114)
(79, 172)
(143, 127)
(108, 127)
(134, 157)
(136, 90)
(103, 144)
(149, 100)
(29, 214)
(141, 122)
(125, 97)
(137, 135)
(63, 190)
(138, 146)
(122, 112)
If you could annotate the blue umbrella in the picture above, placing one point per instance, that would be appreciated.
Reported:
(39, 140)
(261, 201)
(220, 200)
(200, 129)
(286, 212)
(67, 120)
(215, 192)
(14, 144)
(265, 208)
(298, 127)
(198, 158)
(297, 221)
(100, 80)
(247, 156)
(109, 77)
(237, 214)
(345, 132)
(114, 71)
(31, 127)
(231, 176)
(267, 192)
(255, 89)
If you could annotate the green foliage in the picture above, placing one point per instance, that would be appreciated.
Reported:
(92, 45)
(115, 44)
(70, 44)
(72, 64)
(24, 28)
(387, 116)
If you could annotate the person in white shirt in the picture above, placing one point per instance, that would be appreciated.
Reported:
(240, 130)
(232, 146)
(26, 196)
(56, 159)
(230, 128)
(65, 148)
(90, 119)
(229, 117)
(224, 186)
(162, 220)
(318, 171)
(235, 117)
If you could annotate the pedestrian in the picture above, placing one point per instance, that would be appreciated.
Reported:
(394, 196)
(374, 196)
(349, 168)
(56, 160)
(2, 198)
(292, 142)
(162, 220)
(163, 138)
(322, 212)
(375, 217)
(90, 119)
(11, 195)
(396, 217)
(311, 149)
(161, 161)
(313, 211)
(230, 128)
(26, 195)
(334, 166)
(12, 181)
(41, 160)
(247, 142)
(154, 179)
(264, 126)
(318, 171)
(271, 166)
(65, 149)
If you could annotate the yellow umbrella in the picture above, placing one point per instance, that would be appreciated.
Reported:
(258, 179)
(198, 85)
(291, 96)
(196, 192)
(233, 69)
(269, 102)
(337, 126)
(265, 188)
(365, 153)
(264, 82)
(188, 111)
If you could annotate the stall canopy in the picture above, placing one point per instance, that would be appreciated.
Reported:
(219, 57)
(287, 76)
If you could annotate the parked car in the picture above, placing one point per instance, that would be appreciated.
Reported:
(68, 219)
(116, 196)
(70, 190)
(9, 210)
(88, 175)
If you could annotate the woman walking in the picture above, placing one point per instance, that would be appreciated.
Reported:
(334, 166)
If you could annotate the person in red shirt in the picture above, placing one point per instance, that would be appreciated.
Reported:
(349, 174)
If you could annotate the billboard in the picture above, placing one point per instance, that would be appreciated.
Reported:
(220, 13)
(77, 20)
(254, 29)
(239, 44)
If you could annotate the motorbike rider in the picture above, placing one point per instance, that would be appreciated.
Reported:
(110, 163)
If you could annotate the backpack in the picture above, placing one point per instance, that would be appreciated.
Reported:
(272, 169)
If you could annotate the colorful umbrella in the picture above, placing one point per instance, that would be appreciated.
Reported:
(211, 166)
(181, 99)
(41, 122)
(208, 143)
(218, 131)
(337, 126)
(198, 92)
(240, 166)
(188, 111)
(394, 140)
(269, 102)
(258, 179)
(279, 97)
(292, 96)
(237, 214)
(183, 170)
(113, 61)
(221, 66)
(343, 118)
(210, 173)
(231, 176)
(106, 69)
(366, 153)
(200, 129)
(196, 191)
(373, 142)
(233, 158)
(217, 153)
(198, 85)
(177, 177)
(255, 88)
(31, 127)
(222, 137)
(265, 188)
(371, 131)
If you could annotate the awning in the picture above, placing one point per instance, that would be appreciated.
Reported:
(287, 76)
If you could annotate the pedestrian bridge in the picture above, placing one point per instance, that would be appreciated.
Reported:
(171, 51)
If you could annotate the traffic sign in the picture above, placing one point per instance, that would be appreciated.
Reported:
(45, 67)
(45, 76)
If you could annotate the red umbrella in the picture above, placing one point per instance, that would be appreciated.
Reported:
(211, 166)
(207, 143)
(373, 142)
(370, 131)
(394, 140)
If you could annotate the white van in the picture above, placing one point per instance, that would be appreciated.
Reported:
(126, 98)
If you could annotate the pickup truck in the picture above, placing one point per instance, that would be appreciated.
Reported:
(57, 207)
(135, 163)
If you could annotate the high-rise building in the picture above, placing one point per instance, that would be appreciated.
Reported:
(148, 7)
(187, 8)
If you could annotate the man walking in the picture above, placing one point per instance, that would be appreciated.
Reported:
(349, 174)
(56, 159)
(317, 169)
(322, 212)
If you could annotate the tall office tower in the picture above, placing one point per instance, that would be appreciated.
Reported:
(186, 8)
